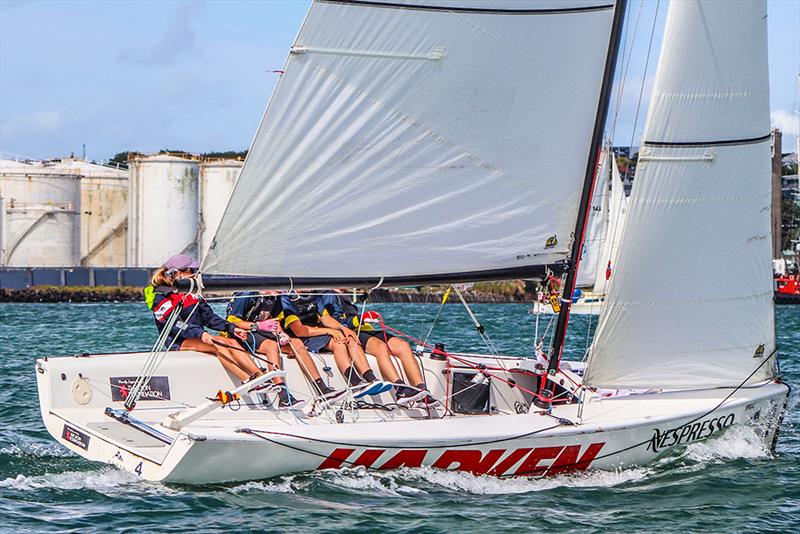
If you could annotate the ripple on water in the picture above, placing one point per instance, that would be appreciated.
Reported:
(728, 483)
(109, 481)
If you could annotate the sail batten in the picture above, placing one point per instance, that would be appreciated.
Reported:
(690, 305)
(371, 163)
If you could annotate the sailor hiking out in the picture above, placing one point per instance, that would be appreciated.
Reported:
(381, 344)
(301, 317)
(254, 311)
(189, 316)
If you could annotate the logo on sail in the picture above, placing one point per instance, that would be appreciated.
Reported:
(551, 242)
(759, 351)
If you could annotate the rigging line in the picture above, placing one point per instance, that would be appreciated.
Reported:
(624, 77)
(641, 87)
(433, 323)
(156, 355)
(706, 414)
(378, 446)
(616, 228)
(478, 326)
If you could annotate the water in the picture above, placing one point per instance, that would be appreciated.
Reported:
(730, 484)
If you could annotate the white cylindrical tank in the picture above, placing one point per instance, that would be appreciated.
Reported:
(104, 212)
(40, 223)
(163, 201)
(217, 178)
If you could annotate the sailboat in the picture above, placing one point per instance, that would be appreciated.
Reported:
(416, 142)
(603, 230)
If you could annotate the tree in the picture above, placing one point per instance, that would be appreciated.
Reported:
(120, 159)
(228, 154)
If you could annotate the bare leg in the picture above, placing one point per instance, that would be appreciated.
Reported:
(340, 356)
(228, 364)
(270, 348)
(356, 354)
(380, 350)
(402, 350)
(240, 358)
(303, 357)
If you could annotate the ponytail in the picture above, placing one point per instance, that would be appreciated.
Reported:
(161, 278)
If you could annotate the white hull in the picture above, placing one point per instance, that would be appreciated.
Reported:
(587, 304)
(258, 442)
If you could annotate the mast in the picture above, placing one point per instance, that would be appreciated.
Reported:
(579, 234)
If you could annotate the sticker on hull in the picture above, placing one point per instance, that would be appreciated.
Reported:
(156, 389)
(538, 461)
(75, 436)
(688, 433)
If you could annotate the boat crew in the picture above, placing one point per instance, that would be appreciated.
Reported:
(301, 318)
(194, 315)
(255, 311)
(339, 311)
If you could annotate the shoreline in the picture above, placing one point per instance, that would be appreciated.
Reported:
(84, 294)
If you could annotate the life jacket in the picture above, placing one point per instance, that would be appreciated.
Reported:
(306, 310)
(257, 306)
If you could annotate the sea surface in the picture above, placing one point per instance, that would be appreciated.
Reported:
(728, 484)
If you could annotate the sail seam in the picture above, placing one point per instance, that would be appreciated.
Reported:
(472, 10)
(697, 201)
(724, 142)
(647, 303)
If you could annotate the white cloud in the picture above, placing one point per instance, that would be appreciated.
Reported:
(786, 121)
(177, 41)
(39, 122)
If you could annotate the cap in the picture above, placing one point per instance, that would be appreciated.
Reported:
(180, 262)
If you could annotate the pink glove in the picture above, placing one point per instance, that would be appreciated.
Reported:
(270, 325)
(283, 339)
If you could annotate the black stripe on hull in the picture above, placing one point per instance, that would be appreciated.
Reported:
(236, 283)
(700, 144)
(472, 10)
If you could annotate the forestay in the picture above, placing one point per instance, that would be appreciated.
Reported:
(690, 304)
(420, 138)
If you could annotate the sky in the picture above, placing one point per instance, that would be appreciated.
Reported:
(195, 75)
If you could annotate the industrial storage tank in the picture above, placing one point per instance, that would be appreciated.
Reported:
(217, 178)
(39, 216)
(163, 206)
(104, 211)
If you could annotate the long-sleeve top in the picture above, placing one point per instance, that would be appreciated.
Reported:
(193, 315)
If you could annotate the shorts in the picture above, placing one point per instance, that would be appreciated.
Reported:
(316, 343)
(363, 337)
(254, 340)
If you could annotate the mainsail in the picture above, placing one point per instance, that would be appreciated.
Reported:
(421, 140)
(691, 300)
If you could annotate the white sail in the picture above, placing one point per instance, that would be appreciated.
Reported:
(616, 213)
(691, 300)
(596, 226)
(421, 137)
